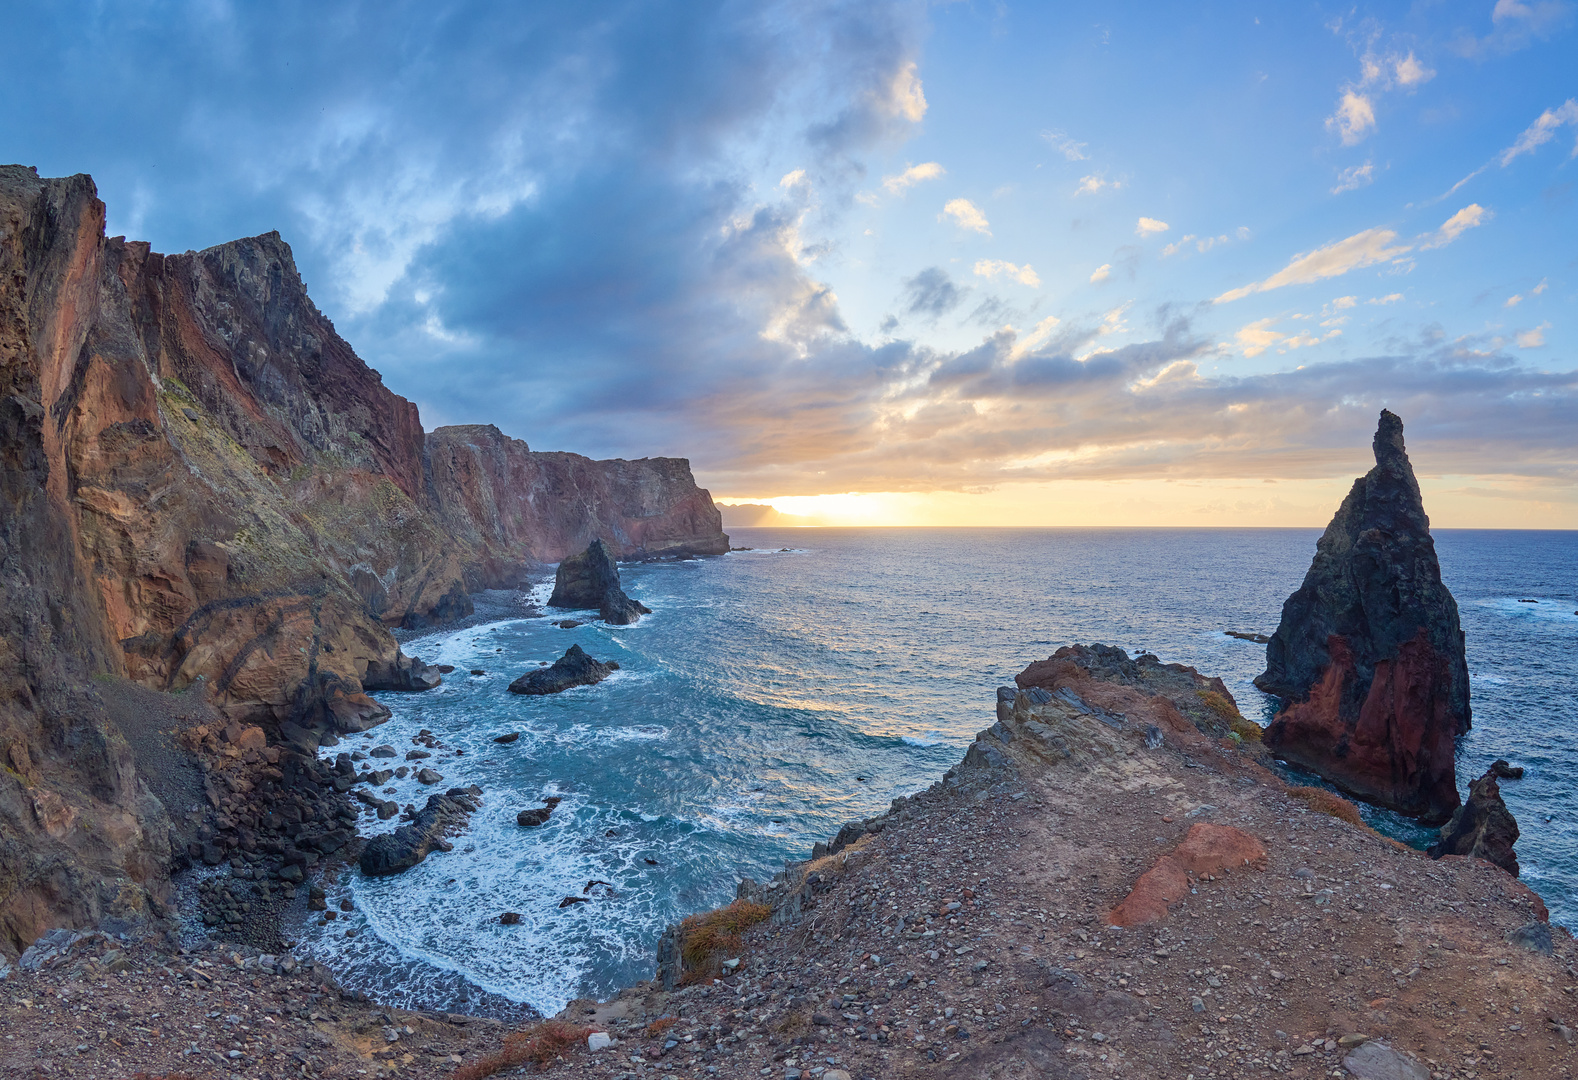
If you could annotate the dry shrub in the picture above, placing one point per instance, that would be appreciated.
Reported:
(537, 1045)
(837, 863)
(1246, 730)
(707, 938)
(1329, 803)
(659, 1026)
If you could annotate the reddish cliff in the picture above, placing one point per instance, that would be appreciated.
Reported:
(201, 481)
(1369, 654)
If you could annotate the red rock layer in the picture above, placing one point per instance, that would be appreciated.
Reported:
(1398, 750)
(1207, 849)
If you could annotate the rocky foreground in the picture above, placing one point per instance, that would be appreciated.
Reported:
(965, 933)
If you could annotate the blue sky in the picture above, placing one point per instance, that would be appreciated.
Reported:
(971, 262)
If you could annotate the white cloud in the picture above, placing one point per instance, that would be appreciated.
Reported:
(1073, 151)
(1339, 320)
(1456, 225)
(1354, 118)
(1542, 131)
(793, 179)
(1150, 227)
(1304, 338)
(1354, 253)
(1353, 178)
(1342, 303)
(867, 198)
(966, 215)
(1089, 185)
(1410, 72)
(1533, 339)
(911, 176)
(1258, 336)
(1389, 298)
(1101, 273)
(1541, 287)
(905, 96)
(1030, 341)
(1513, 301)
(992, 268)
(1177, 246)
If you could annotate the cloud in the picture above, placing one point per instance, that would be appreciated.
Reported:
(966, 215)
(1258, 336)
(991, 268)
(1533, 339)
(1354, 118)
(1544, 128)
(1073, 151)
(1150, 227)
(1541, 287)
(1513, 301)
(1101, 273)
(905, 96)
(911, 176)
(1390, 298)
(1455, 226)
(1095, 182)
(1356, 252)
(792, 180)
(932, 292)
(1354, 177)
(1410, 72)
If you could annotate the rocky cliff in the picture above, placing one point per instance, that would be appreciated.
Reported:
(205, 486)
(1369, 653)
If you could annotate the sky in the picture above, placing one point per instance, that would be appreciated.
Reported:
(894, 263)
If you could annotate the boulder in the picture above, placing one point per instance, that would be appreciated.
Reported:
(574, 668)
(403, 673)
(532, 818)
(1483, 827)
(396, 852)
(1368, 657)
(591, 580)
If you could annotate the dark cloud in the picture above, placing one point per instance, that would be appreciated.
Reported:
(932, 293)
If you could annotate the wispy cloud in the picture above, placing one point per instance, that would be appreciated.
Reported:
(1354, 118)
(1389, 298)
(1063, 144)
(1360, 250)
(1150, 227)
(1354, 178)
(992, 268)
(1542, 131)
(1469, 217)
(1533, 339)
(911, 176)
(966, 215)
(1101, 273)
(1095, 182)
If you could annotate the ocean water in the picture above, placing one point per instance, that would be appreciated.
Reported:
(775, 694)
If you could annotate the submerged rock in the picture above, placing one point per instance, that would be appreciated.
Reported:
(574, 668)
(591, 580)
(1369, 655)
(1483, 827)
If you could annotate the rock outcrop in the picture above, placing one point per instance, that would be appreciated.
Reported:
(398, 851)
(1483, 827)
(591, 580)
(574, 668)
(204, 485)
(1369, 654)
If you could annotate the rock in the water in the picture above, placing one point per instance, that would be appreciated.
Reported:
(428, 776)
(510, 918)
(403, 673)
(1483, 827)
(574, 668)
(539, 816)
(507, 738)
(591, 580)
(398, 851)
(1369, 656)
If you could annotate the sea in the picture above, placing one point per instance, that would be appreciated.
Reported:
(778, 692)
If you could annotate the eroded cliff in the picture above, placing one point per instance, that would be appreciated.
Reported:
(205, 486)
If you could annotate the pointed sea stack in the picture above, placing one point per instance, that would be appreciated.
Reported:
(591, 580)
(1369, 654)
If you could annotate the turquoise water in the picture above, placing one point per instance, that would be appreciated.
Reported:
(775, 694)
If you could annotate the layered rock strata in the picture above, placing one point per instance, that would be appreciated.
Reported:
(591, 580)
(1369, 655)
(203, 485)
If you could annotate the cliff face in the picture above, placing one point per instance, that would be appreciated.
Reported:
(1369, 652)
(512, 502)
(203, 483)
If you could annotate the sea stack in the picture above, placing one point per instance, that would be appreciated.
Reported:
(1369, 657)
(591, 580)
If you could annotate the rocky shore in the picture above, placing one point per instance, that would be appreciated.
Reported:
(970, 932)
